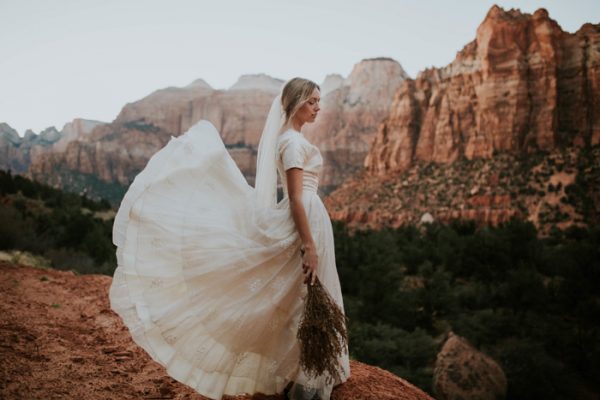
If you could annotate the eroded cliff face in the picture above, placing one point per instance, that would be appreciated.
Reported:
(10, 155)
(238, 113)
(110, 153)
(74, 130)
(522, 85)
(114, 153)
(17, 152)
(351, 111)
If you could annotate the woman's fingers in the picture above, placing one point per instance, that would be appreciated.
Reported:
(309, 278)
(311, 275)
(308, 270)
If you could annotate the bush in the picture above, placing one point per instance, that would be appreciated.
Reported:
(61, 229)
(502, 288)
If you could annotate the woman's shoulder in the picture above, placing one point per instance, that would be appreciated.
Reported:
(291, 135)
(290, 132)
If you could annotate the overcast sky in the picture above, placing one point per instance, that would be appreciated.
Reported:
(65, 59)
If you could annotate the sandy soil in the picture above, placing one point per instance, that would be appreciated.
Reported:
(59, 339)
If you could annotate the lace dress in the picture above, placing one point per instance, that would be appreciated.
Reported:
(212, 289)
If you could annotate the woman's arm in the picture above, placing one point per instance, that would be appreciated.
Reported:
(310, 259)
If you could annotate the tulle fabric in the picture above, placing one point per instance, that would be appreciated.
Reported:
(211, 287)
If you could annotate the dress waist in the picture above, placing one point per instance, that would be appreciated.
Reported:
(310, 182)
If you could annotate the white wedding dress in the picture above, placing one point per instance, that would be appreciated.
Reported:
(212, 289)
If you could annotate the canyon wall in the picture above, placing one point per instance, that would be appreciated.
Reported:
(490, 136)
(114, 153)
(522, 85)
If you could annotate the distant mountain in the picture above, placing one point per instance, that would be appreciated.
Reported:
(351, 112)
(16, 153)
(257, 82)
(113, 153)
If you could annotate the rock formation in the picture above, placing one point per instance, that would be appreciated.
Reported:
(261, 82)
(463, 372)
(16, 153)
(351, 111)
(10, 156)
(60, 339)
(331, 83)
(114, 153)
(522, 87)
(74, 130)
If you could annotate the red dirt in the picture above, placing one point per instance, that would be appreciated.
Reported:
(59, 339)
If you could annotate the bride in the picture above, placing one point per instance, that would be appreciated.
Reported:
(212, 273)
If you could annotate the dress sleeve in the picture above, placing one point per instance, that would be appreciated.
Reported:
(292, 154)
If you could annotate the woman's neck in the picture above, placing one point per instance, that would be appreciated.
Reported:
(296, 124)
(292, 127)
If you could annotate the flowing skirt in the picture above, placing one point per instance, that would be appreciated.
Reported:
(209, 286)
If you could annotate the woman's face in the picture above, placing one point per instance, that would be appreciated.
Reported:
(308, 111)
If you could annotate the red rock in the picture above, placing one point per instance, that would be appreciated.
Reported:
(351, 111)
(523, 84)
(463, 372)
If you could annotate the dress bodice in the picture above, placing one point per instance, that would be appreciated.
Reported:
(294, 150)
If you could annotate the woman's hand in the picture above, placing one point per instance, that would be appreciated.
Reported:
(309, 264)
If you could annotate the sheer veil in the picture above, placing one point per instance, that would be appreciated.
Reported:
(265, 183)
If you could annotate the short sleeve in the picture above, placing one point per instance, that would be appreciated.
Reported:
(292, 154)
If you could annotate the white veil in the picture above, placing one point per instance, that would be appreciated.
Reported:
(265, 183)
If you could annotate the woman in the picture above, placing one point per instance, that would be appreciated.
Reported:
(210, 270)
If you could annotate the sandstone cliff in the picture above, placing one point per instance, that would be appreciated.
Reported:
(17, 152)
(112, 154)
(522, 87)
(60, 339)
(10, 156)
(74, 130)
(351, 111)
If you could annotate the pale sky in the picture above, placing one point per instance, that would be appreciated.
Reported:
(66, 59)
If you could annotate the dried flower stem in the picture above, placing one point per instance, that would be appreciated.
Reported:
(322, 334)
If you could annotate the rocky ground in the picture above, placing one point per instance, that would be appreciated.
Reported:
(59, 339)
(551, 189)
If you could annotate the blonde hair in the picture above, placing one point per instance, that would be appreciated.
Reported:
(295, 93)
